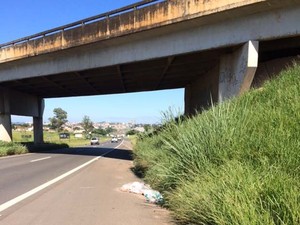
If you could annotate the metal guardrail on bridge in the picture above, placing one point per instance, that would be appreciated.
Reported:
(79, 23)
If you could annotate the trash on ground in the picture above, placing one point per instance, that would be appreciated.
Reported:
(135, 187)
(151, 196)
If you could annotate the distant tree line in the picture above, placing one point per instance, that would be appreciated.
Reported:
(60, 119)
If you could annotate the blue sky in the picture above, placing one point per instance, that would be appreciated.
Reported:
(20, 18)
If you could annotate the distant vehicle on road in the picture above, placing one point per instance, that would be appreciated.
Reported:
(114, 140)
(95, 141)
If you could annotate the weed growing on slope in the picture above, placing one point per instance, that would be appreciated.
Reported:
(237, 163)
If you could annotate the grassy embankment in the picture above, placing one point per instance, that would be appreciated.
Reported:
(236, 164)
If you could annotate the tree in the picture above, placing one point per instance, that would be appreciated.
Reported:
(87, 124)
(110, 130)
(100, 131)
(59, 119)
(132, 132)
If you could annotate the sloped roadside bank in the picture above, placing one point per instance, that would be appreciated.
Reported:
(237, 163)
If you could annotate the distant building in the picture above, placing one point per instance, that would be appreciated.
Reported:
(139, 129)
(78, 133)
(29, 129)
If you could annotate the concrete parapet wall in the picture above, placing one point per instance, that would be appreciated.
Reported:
(146, 18)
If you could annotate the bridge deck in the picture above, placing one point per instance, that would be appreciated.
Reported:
(137, 22)
(132, 19)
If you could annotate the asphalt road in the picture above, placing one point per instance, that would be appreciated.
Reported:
(73, 186)
(23, 173)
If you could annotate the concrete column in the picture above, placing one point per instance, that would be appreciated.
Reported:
(38, 123)
(5, 117)
(237, 70)
(5, 128)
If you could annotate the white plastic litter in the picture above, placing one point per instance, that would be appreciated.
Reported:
(135, 187)
(151, 196)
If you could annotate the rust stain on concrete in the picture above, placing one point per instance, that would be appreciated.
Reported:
(159, 14)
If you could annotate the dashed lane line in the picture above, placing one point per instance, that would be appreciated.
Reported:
(36, 160)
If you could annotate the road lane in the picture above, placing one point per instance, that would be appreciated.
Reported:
(90, 196)
(22, 174)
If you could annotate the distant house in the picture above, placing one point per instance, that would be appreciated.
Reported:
(67, 128)
(140, 129)
(78, 133)
(29, 129)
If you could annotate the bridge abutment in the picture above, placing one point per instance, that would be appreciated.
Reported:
(17, 103)
(232, 77)
(237, 71)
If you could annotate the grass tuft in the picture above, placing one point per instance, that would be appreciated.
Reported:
(9, 148)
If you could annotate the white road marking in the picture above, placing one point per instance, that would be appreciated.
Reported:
(86, 187)
(22, 197)
(119, 144)
(36, 160)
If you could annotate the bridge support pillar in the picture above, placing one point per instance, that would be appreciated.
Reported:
(17, 103)
(38, 123)
(237, 71)
(5, 118)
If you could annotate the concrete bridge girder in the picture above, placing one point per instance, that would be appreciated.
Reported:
(17, 103)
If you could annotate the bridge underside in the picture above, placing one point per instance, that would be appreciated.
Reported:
(158, 74)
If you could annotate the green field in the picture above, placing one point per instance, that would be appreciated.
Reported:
(23, 143)
(53, 137)
(235, 164)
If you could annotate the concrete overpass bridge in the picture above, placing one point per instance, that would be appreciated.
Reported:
(215, 49)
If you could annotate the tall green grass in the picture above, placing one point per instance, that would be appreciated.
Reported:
(237, 163)
(9, 148)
